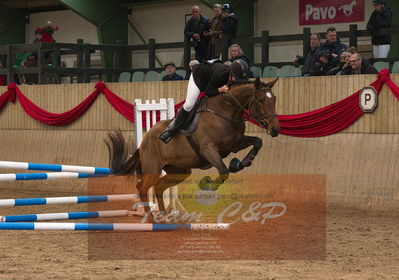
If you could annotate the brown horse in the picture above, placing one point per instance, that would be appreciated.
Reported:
(220, 131)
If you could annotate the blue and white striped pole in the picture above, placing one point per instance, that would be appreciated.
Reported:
(54, 167)
(64, 216)
(46, 176)
(68, 200)
(111, 227)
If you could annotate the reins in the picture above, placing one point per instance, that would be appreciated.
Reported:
(259, 120)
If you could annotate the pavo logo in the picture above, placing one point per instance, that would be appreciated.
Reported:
(348, 8)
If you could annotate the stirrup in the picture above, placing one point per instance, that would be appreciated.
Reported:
(166, 136)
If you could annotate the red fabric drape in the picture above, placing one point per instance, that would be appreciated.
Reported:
(321, 122)
(54, 119)
(384, 77)
(327, 120)
(72, 115)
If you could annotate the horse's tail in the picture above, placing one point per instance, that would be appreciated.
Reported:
(121, 161)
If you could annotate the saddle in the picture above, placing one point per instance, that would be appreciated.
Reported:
(191, 122)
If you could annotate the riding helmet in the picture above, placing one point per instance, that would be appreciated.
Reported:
(240, 70)
(375, 2)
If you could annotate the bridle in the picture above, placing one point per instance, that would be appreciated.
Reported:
(251, 102)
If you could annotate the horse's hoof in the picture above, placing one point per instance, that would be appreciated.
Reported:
(235, 165)
(205, 182)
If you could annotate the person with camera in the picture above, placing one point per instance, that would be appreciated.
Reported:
(321, 66)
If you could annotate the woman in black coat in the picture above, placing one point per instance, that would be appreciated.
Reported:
(380, 18)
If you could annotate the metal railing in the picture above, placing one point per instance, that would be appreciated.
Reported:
(123, 54)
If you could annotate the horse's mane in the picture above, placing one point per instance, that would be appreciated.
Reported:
(233, 84)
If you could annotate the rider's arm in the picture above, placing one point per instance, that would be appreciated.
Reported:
(216, 91)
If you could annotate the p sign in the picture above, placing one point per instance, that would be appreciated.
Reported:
(368, 99)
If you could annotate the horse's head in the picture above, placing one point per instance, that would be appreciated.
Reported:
(262, 107)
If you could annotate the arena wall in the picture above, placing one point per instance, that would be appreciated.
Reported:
(360, 162)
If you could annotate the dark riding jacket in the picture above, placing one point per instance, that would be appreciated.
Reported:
(380, 19)
(210, 76)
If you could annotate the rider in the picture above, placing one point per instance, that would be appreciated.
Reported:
(211, 78)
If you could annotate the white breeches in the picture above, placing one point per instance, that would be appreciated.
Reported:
(192, 95)
(381, 51)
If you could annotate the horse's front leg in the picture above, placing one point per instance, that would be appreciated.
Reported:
(211, 154)
(256, 143)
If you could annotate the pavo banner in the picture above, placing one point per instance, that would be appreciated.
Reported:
(330, 11)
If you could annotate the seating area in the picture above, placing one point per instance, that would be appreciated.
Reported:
(150, 76)
(273, 71)
(267, 72)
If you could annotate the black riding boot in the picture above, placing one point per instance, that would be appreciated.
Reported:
(179, 122)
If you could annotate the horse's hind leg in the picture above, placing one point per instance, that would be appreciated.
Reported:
(237, 165)
(174, 176)
(146, 182)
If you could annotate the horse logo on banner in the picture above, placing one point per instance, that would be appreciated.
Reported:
(348, 8)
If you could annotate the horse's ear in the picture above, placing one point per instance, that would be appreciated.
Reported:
(258, 83)
(271, 83)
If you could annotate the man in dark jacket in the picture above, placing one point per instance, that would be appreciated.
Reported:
(312, 55)
(334, 46)
(380, 18)
(198, 28)
(230, 23)
(359, 66)
(170, 69)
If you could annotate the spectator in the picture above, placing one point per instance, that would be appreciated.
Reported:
(197, 28)
(171, 75)
(351, 50)
(312, 55)
(344, 63)
(38, 36)
(334, 46)
(216, 31)
(359, 66)
(3, 78)
(46, 33)
(322, 65)
(190, 65)
(381, 17)
(235, 52)
(230, 22)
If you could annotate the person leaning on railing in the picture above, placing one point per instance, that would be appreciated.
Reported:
(381, 17)
(322, 65)
(235, 52)
(171, 75)
(359, 66)
(344, 63)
